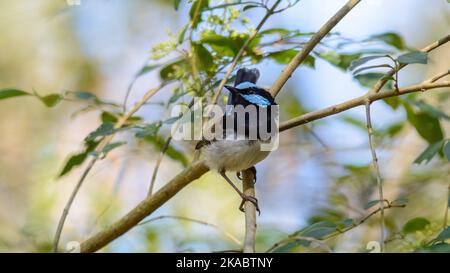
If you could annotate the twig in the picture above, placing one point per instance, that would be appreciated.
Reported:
(338, 232)
(310, 45)
(103, 143)
(250, 212)
(242, 50)
(377, 172)
(439, 76)
(381, 82)
(183, 218)
(158, 163)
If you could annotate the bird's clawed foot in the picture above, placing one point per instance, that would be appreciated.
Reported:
(251, 199)
(252, 169)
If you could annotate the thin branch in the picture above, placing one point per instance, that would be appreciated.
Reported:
(338, 232)
(359, 101)
(310, 45)
(157, 165)
(377, 172)
(381, 82)
(183, 218)
(439, 76)
(250, 212)
(242, 50)
(103, 143)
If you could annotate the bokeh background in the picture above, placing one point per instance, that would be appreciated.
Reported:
(49, 46)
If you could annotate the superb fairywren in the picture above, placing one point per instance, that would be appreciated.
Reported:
(239, 151)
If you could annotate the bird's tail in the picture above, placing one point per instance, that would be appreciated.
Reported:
(246, 75)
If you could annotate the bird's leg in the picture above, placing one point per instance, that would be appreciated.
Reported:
(241, 194)
(239, 175)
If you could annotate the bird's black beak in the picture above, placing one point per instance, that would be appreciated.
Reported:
(231, 89)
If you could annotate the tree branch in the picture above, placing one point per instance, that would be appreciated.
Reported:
(103, 143)
(310, 45)
(145, 208)
(250, 212)
(377, 172)
(359, 101)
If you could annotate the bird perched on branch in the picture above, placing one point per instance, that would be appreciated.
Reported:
(240, 150)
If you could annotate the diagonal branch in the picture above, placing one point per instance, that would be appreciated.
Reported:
(310, 45)
(103, 143)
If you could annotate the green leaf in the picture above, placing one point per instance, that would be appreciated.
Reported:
(429, 152)
(196, 12)
(281, 31)
(344, 224)
(343, 61)
(427, 126)
(415, 224)
(74, 160)
(10, 93)
(79, 158)
(371, 67)
(182, 34)
(287, 247)
(149, 130)
(104, 130)
(401, 201)
(108, 148)
(416, 57)
(435, 248)
(358, 62)
(204, 59)
(176, 4)
(370, 204)
(447, 150)
(393, 102)
(84, 95)
(108, 117)
(146, 69)
(444, 235)
(226, 46)
(171, 151)
(431, 110)
(285, 56)
(392, 39)
(51, 100)
(318, 230)
(369, 80)
(173, 70)
(249, 7)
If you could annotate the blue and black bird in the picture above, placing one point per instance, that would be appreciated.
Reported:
(239, 154)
